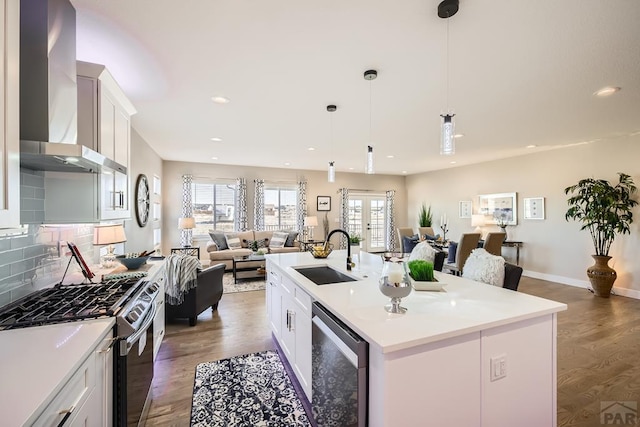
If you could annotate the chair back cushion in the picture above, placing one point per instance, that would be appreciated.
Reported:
(493, 243)
(483, 267)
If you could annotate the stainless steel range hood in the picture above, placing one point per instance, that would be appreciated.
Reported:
(48, 92)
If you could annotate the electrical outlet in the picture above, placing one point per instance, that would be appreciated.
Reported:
(498, 367)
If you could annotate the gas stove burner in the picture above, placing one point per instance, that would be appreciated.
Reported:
(66, 303)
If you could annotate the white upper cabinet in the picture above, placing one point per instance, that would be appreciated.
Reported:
(104, 124)
(9, 113)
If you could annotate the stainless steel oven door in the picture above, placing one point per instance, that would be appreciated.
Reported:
(339, 372)
(134, 373)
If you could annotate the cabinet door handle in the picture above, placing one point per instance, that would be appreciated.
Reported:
(67, 413)
(293, 321)
(288, 320)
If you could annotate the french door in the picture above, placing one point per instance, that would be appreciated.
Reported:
(367, 218)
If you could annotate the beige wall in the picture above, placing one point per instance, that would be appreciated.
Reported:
(317, 185)
(554, 249)
(143, 161)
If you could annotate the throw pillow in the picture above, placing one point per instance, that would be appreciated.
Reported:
(408, 243)
(278, 239)
(430, 237)
(453, 246)
(484, 267)
(233, 241)
(423, 250)
(219, 239)
(291, 237)
(259, 244)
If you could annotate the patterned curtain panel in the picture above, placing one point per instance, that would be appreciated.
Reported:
(241, 223)
(302, 206)
(187, 208)
(390, 221)
(344, 215)
(258, 208)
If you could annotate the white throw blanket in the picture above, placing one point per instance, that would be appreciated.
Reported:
(180, 276)
(483, 267)
(423, 250)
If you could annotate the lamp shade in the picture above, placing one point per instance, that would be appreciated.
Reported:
(310, 221)
(108, 234)
(186, 223)
(477, 220)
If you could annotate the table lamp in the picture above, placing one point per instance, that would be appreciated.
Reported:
(108, 235)
(478, 221)
(310, 221)
(186, 224)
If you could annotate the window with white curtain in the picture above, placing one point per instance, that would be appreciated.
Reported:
(280, 209)
(213, 206)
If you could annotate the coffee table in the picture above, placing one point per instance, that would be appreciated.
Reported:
(241, 271)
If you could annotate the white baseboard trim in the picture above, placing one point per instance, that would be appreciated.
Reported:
(631, 293)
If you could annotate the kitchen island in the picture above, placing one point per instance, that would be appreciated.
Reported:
(470, 355)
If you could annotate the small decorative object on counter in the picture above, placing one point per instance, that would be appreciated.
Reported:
(395, 284)
(321, 251)
(422, 277)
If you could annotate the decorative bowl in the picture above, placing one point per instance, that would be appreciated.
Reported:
(396, 291)
(321, 251)
(132, 263)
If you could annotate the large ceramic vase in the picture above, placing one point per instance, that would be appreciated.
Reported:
(601, 276)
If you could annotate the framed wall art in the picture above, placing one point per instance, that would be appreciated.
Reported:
(464, 209)
(500, 208)
(324, 203)
(534, 208)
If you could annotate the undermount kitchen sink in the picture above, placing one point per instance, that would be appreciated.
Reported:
(324, 275)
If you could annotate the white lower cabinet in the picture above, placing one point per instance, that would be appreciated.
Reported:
(87, 398)
(158, 321)
(289, 311)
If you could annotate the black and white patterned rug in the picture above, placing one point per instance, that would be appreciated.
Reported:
(229, 286)
(249, 390)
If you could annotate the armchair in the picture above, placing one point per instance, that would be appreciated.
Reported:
(206, 293)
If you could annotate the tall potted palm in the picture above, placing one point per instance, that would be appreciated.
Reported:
(604, 210)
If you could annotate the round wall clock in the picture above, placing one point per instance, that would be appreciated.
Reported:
(142, 200)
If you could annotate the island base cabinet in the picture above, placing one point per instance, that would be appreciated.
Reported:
(435, 384)
(452, 383)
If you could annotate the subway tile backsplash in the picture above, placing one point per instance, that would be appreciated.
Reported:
(30, 258)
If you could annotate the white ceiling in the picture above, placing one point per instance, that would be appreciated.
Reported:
(521, 73)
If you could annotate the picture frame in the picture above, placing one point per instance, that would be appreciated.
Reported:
(534, 208)
(465, 208)
(323, 203)
(499, 207)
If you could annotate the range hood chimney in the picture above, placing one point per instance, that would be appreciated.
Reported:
(48, 92)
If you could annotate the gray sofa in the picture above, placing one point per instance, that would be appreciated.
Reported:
(226, 255)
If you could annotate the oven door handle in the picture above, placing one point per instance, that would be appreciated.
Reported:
(126, 345)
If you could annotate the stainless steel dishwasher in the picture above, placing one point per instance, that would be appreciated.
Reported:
(339, 372)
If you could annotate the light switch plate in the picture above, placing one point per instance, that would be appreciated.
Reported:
(498, 367)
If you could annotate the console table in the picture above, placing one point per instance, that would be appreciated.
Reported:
(513, 244)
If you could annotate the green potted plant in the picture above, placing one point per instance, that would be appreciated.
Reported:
(354, 242)
(425, 216)
(422, 276)
(605, 210)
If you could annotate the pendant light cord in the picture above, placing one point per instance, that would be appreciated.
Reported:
(370, 113)
(448, 17)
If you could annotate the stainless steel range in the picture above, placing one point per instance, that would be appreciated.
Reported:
(128, 297)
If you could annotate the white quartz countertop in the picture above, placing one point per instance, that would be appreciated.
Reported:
(36, 362)
(463, 307)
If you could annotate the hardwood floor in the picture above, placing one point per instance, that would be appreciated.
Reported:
(598, 351)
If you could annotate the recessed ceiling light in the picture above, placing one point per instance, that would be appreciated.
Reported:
(287, 164)
(311, 149)
(531, 146)
(458, 135)
(607, 91)
(220, 99)
(453, 162)
(404, 172)
(214, 158)
(350, 169)
(390, 156)
(216, 139)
